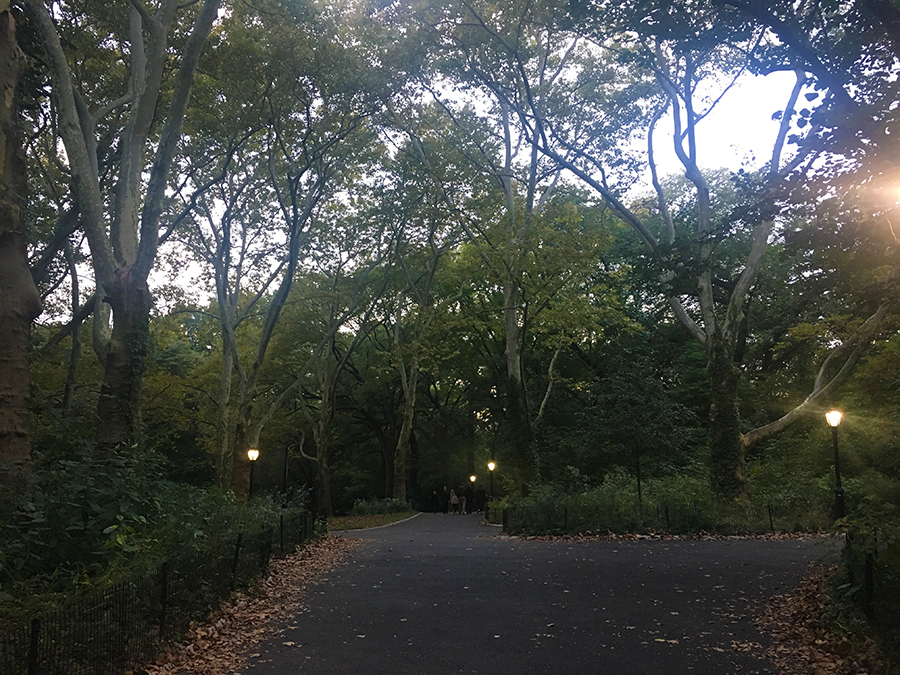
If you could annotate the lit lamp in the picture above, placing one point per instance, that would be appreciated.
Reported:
(491, 466)
(252, 455)
(834, 419)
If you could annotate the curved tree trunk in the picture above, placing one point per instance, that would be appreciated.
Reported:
(19, 300)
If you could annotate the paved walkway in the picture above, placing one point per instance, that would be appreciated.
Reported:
(442, 594)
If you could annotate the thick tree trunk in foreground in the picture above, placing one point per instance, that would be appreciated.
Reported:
(19, 299)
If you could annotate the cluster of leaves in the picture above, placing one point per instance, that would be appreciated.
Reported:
(373, 506)
(88, 521)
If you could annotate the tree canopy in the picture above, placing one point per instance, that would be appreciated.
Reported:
(384, 243)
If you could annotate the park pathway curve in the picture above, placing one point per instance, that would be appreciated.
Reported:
(444, 594)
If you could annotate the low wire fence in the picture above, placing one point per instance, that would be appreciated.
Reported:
(109, 631)
(574, 517)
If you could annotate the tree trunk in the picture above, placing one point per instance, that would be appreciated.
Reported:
(119, 406)
(388, 446)
(223, 473)
(517, 418)
(240, 462)
(409, 414)
(75, 352)
(726, 450)
(20, 302)
(323, 485)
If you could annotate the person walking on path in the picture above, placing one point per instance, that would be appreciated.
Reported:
(454, 501)
(461, 495)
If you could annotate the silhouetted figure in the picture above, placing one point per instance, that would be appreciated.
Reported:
(480, 499)
(461, 495)
(454, 501)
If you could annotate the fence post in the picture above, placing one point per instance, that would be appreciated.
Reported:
(33, 646)
(668, 521)
(771, 519)
(505, 519)
(163, 597)
(281, 534)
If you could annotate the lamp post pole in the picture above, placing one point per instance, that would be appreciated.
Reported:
(252, 455)
(491, 467)
(834, 419)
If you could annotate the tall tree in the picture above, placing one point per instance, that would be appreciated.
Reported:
(143, 121)
(19, 300)
(653, 59)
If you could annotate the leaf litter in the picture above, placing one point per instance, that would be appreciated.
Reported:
(223, 643)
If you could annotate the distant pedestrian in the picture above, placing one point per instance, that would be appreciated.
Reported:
(445, 499)
(454, 501)
(480, 499)
(435, 501)
(461, 495)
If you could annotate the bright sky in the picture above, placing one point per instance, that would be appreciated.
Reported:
(739, 132)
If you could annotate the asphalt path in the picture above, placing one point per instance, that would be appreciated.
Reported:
(441, 594)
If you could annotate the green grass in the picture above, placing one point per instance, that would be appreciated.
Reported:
(362, 522)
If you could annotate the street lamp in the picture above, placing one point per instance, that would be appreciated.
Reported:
(834, 419)
(491, 466)
(252, 455)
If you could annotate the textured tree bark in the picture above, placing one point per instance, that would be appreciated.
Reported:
(119, 406)
(123, 235)
(410, 385)
(19, 299)
(517, 417)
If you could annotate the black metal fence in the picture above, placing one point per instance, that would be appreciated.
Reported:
(574, 517)
(874, 586)
(108, 631)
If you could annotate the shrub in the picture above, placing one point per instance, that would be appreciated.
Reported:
(367, 507)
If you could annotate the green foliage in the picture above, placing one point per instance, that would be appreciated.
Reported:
(367, 507)
(870, 578)
(85, 522)
(680, 503)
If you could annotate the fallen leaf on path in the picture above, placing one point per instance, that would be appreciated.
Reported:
(223, 643)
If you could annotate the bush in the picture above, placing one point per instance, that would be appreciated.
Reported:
(85, 521)
(373, 506)
(676, 505)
